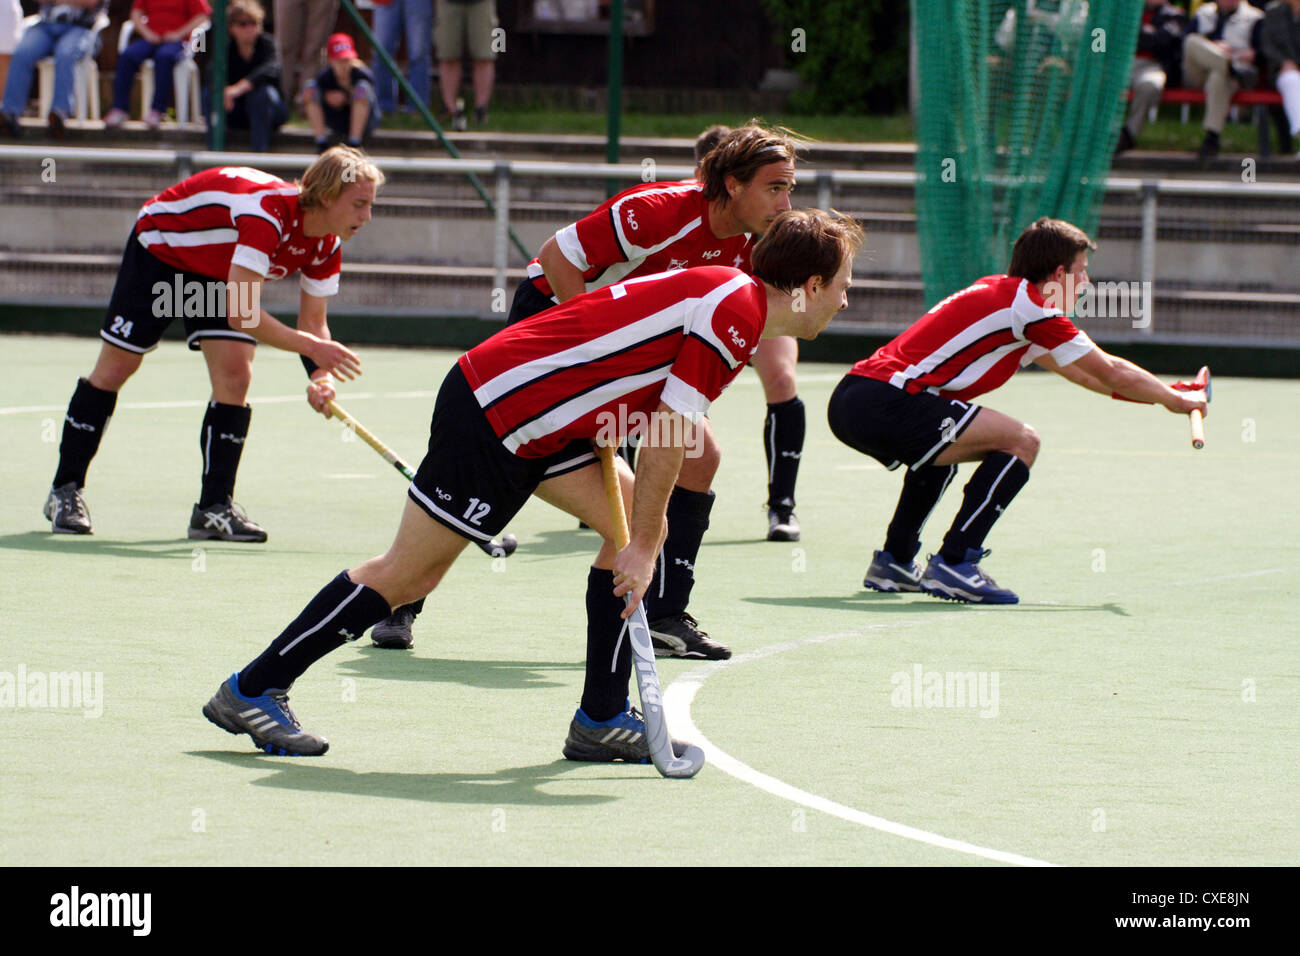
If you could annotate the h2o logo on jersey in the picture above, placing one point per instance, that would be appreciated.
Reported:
(711, 255)
(631, 219)
(735, 337)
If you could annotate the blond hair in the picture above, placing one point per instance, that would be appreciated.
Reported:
(249, 8)
(334, 169)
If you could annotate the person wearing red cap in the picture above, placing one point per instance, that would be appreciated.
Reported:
(341, 99)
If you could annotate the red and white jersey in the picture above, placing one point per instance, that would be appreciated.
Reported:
(238, 216)
(654, 227)
(974, 340)
(590, 365)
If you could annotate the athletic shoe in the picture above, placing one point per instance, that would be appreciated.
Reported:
(964, 581)
(66, 510)
(458, 121)
(153, 119)
(9, 125)
(267, 719)
(480, 116)
(114, 118)
(224, 521)
(886, 574)
(680, 636)
(619, 738)
(782, 525)
(395, 630)
(58, 124)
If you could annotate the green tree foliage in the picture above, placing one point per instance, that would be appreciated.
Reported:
(851, 55)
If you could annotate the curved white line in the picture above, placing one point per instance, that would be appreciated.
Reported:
(677, 705)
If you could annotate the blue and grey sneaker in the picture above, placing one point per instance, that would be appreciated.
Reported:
(886, 574)
(964, 581)
(267, 719)
(622, 737)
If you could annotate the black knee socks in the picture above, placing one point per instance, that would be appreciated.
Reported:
(83, 427)
(340, 612)
(922, 490)
(783, 434)
(688, 519)
(222, 441)
(609, 651)
(987, 494)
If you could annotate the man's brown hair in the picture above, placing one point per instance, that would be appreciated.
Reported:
(803, 243)
(1046, 244)
(742, 153)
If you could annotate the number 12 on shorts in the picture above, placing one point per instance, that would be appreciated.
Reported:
(476, 511)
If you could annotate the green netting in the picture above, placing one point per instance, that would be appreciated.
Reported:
(1019, 106)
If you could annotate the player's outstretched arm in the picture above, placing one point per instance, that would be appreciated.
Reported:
(244, 313)
(565, 278)
(663, 448)
(311, 319)
(1119, 376)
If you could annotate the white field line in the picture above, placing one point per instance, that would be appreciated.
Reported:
(201, 403)
(677, 705)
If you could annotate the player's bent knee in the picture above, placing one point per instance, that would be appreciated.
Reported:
(1028, 444)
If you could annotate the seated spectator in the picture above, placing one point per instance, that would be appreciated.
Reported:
(251, 96)
(1279, 42)
(161, 30)
(341, 100)
(1218, 57)
(1159, 60)
(65, 31)
(414, 19)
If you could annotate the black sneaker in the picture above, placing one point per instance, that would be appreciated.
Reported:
(224, 521)
(57, 124)
(680, 636)
(267, 719)
(395, 630)
(66, 510)
(782, 525)
(1209, 147)
(1126, 141)
(9, 125)
(480, 116)
(622, 737)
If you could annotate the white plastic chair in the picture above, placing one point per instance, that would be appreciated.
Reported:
(185, 77)
(85, 88)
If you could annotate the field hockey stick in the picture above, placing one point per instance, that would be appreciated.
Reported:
(643, 652)
(1202, 381)
(497, 549)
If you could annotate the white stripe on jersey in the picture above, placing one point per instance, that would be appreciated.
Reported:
(630, 248)
(673, 318)
(973, 372)
(702, 318)
(202, 237)
(567, 412)
(239, 204)
(250, 258)
(319, 287)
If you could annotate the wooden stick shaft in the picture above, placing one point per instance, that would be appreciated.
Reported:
(385, 452)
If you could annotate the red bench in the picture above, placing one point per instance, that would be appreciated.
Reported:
(1259, 100)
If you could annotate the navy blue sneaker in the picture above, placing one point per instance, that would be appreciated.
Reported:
(622, 737)
(964, 581)
(267, 719)
(886, 574)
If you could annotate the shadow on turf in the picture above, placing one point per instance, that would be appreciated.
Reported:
(44, 541)
(559, 543)
(898, 603)
(513, 785)
(379, 664)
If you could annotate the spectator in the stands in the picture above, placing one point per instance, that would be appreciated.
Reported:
(341, 100)
(1218, 57)
(161, 29)
(301, 27)
(1279, 42)
(412, 19)
(65, 31)
(1158, 63)
(466, 25)
(251, 95)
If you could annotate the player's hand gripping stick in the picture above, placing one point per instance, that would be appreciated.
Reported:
(643, 652)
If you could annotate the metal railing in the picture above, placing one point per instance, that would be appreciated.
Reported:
(1145, 191)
